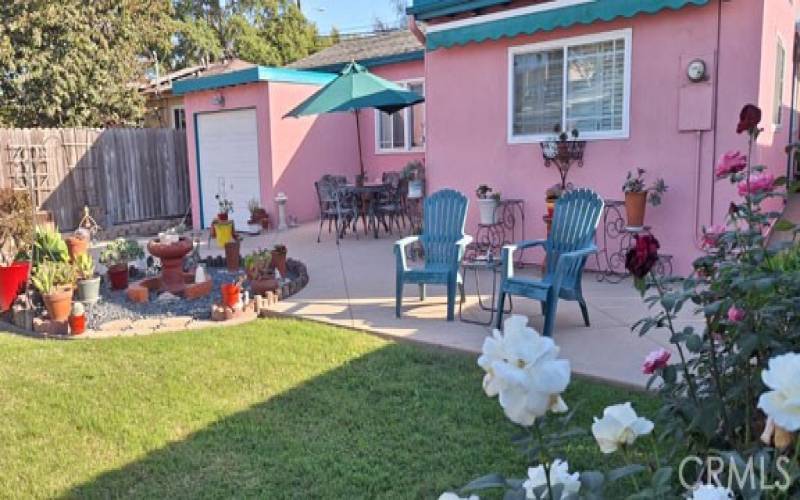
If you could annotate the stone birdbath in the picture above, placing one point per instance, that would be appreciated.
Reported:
(171, 254)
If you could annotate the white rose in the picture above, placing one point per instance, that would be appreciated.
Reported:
(711, 492)
(559, 474)
(523, 370)
(620, 425)
(782, 403)
(448, 495)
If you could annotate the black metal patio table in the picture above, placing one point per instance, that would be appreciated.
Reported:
(367, 193)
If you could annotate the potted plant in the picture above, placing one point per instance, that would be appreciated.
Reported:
(55, 281)
(225, 207)
(231, 293)
(88, 281)
(414, 173)
(77, 319)
(49, 246)
(232, 254)
(552, 195)
(279, 253)
(259, 219)
(258, 268)
(116, 257)
(637, 195)
(563, 151)
(15, 244)
(488, 201)
(77, 243)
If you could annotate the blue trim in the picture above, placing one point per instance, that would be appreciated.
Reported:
(429, 9)
(372, 62)
(251, 75)
(197, 165)
(527, 24)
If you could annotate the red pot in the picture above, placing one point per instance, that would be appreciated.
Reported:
(230, 294)
(13, 279)
(222, 217)
(77, 324)
(118, 276)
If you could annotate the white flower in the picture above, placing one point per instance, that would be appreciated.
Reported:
(782, 403)
(559, 474)
(711, 492)
(448, 495)
(619, 426)
(522, 368)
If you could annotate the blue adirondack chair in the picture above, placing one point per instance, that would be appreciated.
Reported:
(443, 242)
(570, 242)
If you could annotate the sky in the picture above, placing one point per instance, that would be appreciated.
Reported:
(347, 15)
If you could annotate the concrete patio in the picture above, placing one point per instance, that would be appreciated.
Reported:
(364, 270)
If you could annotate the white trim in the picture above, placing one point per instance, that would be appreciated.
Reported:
(172, 116)
(506, 14)
(624, 133)
(407, 149)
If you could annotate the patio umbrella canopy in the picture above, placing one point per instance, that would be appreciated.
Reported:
(356, 88)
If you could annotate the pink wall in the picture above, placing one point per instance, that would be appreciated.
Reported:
(252, 95)
(304, 149)
(467, 143)
(375, 163)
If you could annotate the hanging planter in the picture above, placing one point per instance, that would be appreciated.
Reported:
(563, 152)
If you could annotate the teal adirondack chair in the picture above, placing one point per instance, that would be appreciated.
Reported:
(570, 242)
(443, 242)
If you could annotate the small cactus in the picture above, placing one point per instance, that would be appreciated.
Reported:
(78, 309)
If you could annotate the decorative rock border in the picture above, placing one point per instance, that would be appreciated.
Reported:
(258, 307)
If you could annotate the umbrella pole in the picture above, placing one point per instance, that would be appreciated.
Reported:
(358, 138)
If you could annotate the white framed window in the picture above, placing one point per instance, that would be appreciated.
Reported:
(582, 82)
(178, 117)
(403, 131)
(780, 71)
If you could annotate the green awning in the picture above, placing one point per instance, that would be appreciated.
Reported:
(527, 24)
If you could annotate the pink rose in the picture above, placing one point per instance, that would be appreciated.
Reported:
(731, 162)
(759, 183)
(656, 360)
(735, 314)
(711, 235)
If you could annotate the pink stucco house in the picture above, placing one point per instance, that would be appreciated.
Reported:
(499, 74)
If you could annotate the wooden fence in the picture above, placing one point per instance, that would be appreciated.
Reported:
(123, 175)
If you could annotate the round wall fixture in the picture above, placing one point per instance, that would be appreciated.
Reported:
(696, 71)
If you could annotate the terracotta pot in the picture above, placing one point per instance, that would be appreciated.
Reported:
(232, 257)
(635, 205)
(13, 279)
(279, 261)
(230, 294)
(77, 324)
(260, 287)
(76, 246)
(59, 303)
(118, 276)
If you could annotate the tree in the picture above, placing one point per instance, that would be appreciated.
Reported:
(268, 32)
(75, 63)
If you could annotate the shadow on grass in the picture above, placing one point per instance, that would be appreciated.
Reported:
(397, 422)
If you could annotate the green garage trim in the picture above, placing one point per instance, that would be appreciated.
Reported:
(527, 24)
(251, 75)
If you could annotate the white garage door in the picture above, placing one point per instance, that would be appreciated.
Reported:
(228, 159)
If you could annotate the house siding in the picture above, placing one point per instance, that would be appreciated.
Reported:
(467, 114)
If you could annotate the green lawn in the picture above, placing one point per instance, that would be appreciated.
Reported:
(271, 409)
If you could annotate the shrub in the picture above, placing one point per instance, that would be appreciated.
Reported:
(120, 252)
(15, 225)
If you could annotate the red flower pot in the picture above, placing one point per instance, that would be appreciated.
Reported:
(222, 216)
(77, 324)
(12, 282)
(118, 276)
(230, 295)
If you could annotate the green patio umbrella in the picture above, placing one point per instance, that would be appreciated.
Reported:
(356, 88)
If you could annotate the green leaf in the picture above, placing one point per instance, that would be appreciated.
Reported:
(592, 481)
(784, 225)
(694, 343)
(662, 477)
(625, 471)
